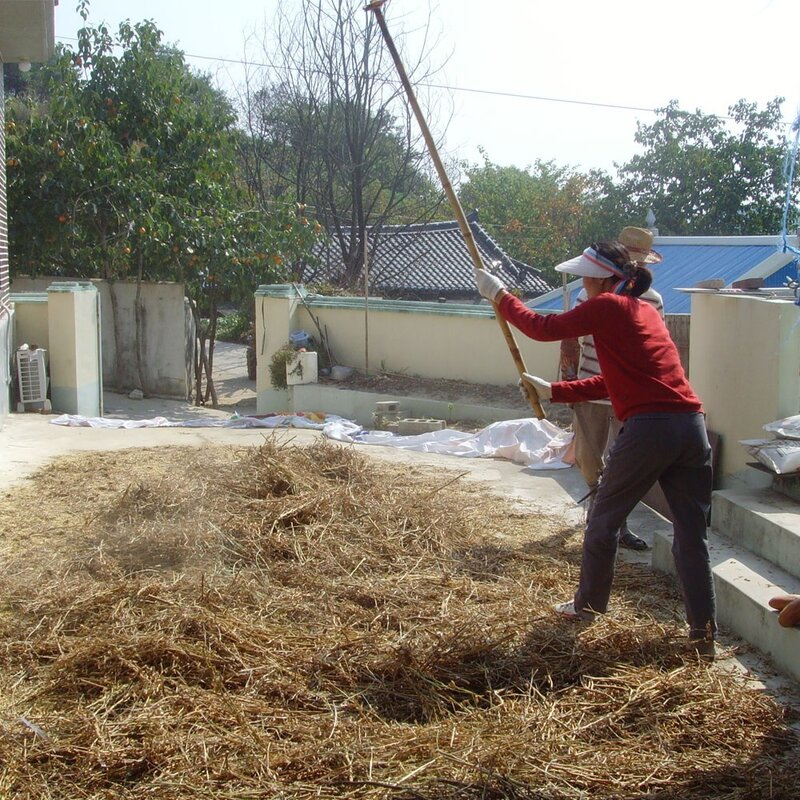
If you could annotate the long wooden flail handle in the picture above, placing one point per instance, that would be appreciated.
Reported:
(463, 224)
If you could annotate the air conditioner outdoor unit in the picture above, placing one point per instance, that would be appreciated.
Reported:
(32, 378)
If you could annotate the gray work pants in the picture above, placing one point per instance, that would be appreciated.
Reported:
(672, 449)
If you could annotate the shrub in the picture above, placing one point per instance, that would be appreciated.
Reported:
(233, 327)
(277, 365)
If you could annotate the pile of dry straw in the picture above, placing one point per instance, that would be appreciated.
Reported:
(303, 622)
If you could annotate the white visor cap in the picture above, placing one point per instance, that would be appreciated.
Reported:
(590, 264)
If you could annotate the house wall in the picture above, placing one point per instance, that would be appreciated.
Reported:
(430, 340)
(167, 335)
(745, 365)
(6, 311)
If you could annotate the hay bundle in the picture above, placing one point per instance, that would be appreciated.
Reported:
(303, 622)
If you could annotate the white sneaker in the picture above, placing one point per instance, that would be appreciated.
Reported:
(569, 611)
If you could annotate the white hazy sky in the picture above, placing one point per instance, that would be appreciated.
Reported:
(705, 54)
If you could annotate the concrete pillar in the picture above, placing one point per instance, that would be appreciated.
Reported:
(277, 309)
(73, 313)
(744, 363)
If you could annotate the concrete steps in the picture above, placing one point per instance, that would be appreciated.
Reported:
(754, 543)
(761, 520)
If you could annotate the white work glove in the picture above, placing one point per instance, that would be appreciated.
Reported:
(489, 286)
(544, 390)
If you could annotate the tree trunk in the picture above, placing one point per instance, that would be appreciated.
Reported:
(201, 362)
(112, 291)
(139, 324)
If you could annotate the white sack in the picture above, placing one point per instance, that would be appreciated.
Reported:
(786, 428)
(782, 456)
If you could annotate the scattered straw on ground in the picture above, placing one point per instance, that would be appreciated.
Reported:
(303, 623)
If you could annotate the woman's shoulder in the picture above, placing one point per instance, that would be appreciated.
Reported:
(610, 299)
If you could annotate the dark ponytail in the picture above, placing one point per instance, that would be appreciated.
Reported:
(639, 282)
(639, 277)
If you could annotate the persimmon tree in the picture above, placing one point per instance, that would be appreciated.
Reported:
(121, 165)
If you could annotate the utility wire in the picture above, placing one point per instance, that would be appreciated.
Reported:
(450, 88)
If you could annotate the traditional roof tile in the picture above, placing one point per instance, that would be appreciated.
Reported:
(432, 260)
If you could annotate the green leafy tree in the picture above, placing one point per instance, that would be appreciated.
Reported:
(122, 165)
(543, 214)
(701, 174)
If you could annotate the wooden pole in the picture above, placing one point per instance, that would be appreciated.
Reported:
(366, 302)
(463, 224)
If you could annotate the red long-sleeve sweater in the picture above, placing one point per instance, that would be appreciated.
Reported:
(642, 371)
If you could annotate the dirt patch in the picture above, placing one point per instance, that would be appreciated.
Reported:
(451, 391)
(296, 622)
(437, 389)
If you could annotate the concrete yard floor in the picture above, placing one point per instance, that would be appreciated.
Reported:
(29, 441)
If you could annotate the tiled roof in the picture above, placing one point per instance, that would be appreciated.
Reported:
(687, 262)
(433, 260)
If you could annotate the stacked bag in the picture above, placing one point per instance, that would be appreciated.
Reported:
(781, 454)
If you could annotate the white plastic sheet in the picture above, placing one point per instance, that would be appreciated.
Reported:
(537, 444)
(235, 421)
(781, 454)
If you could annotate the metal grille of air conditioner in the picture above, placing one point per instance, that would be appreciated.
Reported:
(32, 375)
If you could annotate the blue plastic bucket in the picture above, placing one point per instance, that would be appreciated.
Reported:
(300, 339)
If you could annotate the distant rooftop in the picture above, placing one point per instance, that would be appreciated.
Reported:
(690, 259)
(432, 260)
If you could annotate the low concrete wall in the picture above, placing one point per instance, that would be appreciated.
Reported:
(30, 319)
(167, 335)
(430, 340)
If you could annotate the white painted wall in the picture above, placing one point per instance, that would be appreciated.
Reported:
(167, 335)
(6, 336)
(745, 365)
(76, 385)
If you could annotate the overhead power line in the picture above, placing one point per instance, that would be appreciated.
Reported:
(445, 87)
(464, 89)
(449, 88)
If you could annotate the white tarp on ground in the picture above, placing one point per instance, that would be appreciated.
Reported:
(537, 444)
(315, 421)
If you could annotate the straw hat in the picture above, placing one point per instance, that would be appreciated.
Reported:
(639, 243)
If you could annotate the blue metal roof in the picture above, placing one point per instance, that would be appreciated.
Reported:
(684, 265)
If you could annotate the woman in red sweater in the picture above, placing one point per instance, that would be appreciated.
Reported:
(663, 437)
